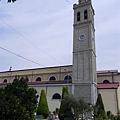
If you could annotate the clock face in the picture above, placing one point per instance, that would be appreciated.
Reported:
(82, 37)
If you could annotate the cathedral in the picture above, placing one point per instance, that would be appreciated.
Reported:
(81, 77)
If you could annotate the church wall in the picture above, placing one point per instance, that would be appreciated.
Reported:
(10, 75)
(53, 103)
(50, 91)
(119, 97)
(112, 78)
(110, 99)
(102, 78)
(59, 73)
(117, 78)
(45, 73)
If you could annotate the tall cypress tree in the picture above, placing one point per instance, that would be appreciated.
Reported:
(100, 107)
(64, 91)
(62, 114)
(43, 105)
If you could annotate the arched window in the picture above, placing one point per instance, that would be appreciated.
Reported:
(68, 77)
(85, 15)
(52, 78)
(106, 81)
(56, 96)
(5, 81)
(78, 16)
(38, 79)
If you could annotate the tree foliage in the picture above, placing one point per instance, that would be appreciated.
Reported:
(61, 114)
(64, 91)
(100, 107)
(18, 101)
(9, 1)
(43, 105)
(78, 108)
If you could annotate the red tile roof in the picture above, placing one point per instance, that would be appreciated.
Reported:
(42, 82)
(108, 85)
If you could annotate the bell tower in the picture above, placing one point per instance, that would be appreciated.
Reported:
(84, 54)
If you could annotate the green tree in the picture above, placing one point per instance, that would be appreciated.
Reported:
(11, 1)
(18, 101)
(43, 105)
(77, 106)
(100, 107)
(64, 91)
(62, 114)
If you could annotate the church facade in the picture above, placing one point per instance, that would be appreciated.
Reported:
(52, 80)
(81, 78)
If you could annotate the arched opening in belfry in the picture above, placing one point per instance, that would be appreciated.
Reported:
(85, 15)
(78, 16)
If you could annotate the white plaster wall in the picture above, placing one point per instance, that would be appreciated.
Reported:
(109, 100)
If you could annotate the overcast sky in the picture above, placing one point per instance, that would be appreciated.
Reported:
(42, 31)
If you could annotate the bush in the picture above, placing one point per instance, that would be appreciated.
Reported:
(43, 105)
(100, 107)
(61, 112)
(18, 101)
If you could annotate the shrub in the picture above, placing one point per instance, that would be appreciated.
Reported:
(61, 112)
(43, 105)
(100, 107)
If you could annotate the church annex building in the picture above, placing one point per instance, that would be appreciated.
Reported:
(81, 77)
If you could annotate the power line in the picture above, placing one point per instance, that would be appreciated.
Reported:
(29, 40)
(26, 58)
(21, 56)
